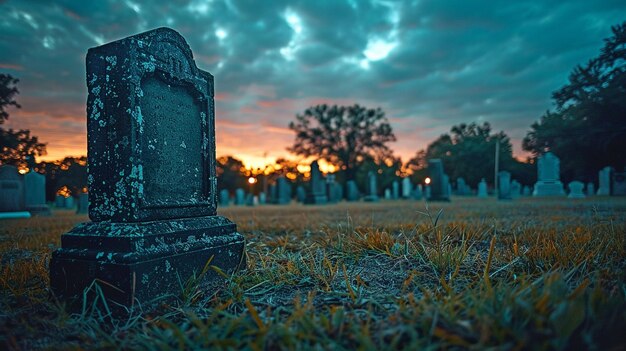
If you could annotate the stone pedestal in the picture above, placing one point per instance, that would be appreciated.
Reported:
(548, 175)
(548, 188)
(143, 262)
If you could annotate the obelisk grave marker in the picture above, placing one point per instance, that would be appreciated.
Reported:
(152, 181)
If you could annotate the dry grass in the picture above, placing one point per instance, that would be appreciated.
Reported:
(528, 274)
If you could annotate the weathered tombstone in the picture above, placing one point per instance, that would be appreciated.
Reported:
(59, 201)
(387, 194)
(407, 187)
(548, 175)
(35, 193)
(331, 192)
(283, 191)
(317, 191)
(273, 193)
(152, 181)
(240, 197)
(427, 192)
(439, 182)
(224, 198)
(300, 194)
(11, 189)
(250, 200)
(576, 190)
(83, 203)
(262, 198)
(504, 185)
(69, 202)
(372, 189)
(352, 191)
(591, 191)
(417, 192)
(604, 181)
(516, 189)
(461, 187)
(482, 189)
(395, 190)
(339, 191)
(618, 187)
(526, 190)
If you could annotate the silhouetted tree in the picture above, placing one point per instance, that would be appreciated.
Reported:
(587, 129)
(342, 135)
(15, 146)
(230, 174)
(70, 172)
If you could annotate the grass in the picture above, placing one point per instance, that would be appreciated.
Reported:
(528, 274)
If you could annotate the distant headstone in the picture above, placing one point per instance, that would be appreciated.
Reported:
(387, 194)
(331, 189)
(300, 194)
(59, 201)
(224, 198)
(576, 190)
(352, 191)
(427, 192)
(338, 191)
(417, 192)
(462, 189)
(504, 185)
(604, 181)
(11, 190)
(372, 189)
(317, 191)
(439, 181)
(482, 189)
(283, 191)
(35, 193)
(273, 193)
(250, 200)
(69, 202)
(407, 187)
(619, 184)
(516, 189)
(152, 178)
(262, 198)
(548, 175)
(83, 203)
(591, 191)
(240, 197)
(526, 191)
(395, 190)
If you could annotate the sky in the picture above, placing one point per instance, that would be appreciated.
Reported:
(428, 64)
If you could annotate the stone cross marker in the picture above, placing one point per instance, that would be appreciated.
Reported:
(152, 181)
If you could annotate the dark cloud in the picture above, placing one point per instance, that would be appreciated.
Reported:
(429, 64)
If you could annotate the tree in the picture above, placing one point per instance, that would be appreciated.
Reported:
(587, 128)
(469, 152)
(15, 146)
(230, 173)
(342, 135)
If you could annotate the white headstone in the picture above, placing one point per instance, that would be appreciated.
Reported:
(548, 175)
(482, 188)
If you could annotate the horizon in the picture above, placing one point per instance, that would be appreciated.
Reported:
(428, 66)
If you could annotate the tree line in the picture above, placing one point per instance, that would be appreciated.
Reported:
(586, 130)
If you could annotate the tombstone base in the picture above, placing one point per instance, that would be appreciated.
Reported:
(371, 198)
(544, 188)
(144, 262)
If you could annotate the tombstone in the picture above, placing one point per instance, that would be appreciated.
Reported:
(548, 175)
(372, 189)
(352, 191)
(317, 191)
(83, 203)
(273, 193)
(69, 202)
(250, 200)
(516, 189)
(331, 189)
(576, 190)
(504, 185)
(262, 198)
(224, 198)
(152, 181)
(618, 187)
(11, 190)
(35, 193)
(339, 191)
(395, 190)
(439, 187)
(387, 194)
(604, 181)
(417, 192)
(526, 191)
(482, 189)
(407, 188)
(240, 197)
(461, 187)
(591, 191)
(283, 191)
(300, 194)
(59, 201)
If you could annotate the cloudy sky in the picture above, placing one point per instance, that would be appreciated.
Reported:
(428, 64)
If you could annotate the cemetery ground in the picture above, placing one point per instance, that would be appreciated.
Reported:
(524, 274)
